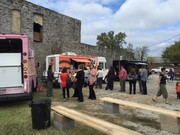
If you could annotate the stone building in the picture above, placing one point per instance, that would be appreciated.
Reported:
(49, 31)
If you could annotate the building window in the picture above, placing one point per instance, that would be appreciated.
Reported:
(38, 27)
(16, 21)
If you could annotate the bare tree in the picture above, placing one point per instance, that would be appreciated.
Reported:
(141, 53)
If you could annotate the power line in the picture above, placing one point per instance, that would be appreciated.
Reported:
(164, 40)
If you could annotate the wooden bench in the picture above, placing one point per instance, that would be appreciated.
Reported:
(65, 118)
(170, 120)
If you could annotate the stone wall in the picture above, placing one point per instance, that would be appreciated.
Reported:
(60, 33)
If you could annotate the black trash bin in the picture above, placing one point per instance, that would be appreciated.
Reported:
(41, 113)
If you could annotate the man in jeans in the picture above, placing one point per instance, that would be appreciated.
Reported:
(122, 79)
(99, 78)
(144, 77)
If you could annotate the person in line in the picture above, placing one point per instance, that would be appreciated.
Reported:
(132, 77)
(99, 78)
(74, 84)
(178, 90)
(122, 79)
(171, 75)
(86, 71)
(162, 87)
(64, 76)
(79, 80)
(92, 76)
(139, 80)
(144, 77)
(59, 81)
(110, 78)
(50, 80)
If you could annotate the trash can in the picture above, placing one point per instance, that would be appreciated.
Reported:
(41, 113)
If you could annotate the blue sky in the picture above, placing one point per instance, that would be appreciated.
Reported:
(152, 23)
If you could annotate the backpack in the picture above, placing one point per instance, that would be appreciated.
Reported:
(68, 83)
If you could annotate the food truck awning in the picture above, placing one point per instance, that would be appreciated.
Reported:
(81, 60)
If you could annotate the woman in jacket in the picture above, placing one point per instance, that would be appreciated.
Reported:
(92, 76)
(64, 76)
(79, 80)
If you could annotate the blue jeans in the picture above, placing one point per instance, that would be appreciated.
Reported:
(99, 82)
(110, 84)
(144, 87)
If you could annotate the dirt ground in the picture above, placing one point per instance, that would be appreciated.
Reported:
(142, 121)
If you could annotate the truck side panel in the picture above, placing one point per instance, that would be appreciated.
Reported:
(10, 70)
(17, 67)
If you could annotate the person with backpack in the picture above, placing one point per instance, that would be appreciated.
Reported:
(132, 77)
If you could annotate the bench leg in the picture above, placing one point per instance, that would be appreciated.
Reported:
(169, 123)
(62, 122)
(111, 107)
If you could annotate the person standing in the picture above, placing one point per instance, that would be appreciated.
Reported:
(64, 76)
(144, 77)
(122, 79)
(50, 80)
(99, 78)
(79, 80)
(86, 71)
(171, 74)
(92, 76)
(132, 77)
(139, 80)
(162, 87)
(178, 90)
(74, 84)
(110, 78)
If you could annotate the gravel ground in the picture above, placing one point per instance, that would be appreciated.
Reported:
(142, 121)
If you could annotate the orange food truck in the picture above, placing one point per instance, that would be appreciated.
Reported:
(71, 61)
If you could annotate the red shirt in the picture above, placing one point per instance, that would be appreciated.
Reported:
(63, 77)
(178, 88)
(122, 74)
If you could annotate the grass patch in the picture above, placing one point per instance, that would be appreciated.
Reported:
(16, 119)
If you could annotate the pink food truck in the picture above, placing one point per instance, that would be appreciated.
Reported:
(18, 78)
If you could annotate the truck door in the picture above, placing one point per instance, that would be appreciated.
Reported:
(10, 70)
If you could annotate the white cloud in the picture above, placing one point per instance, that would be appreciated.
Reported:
(145, 22)
(151, 14)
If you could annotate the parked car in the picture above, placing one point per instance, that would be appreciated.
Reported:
(158, 70)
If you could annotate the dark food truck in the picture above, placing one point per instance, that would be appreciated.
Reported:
(128, 64)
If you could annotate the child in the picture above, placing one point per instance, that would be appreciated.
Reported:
(178, 90)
